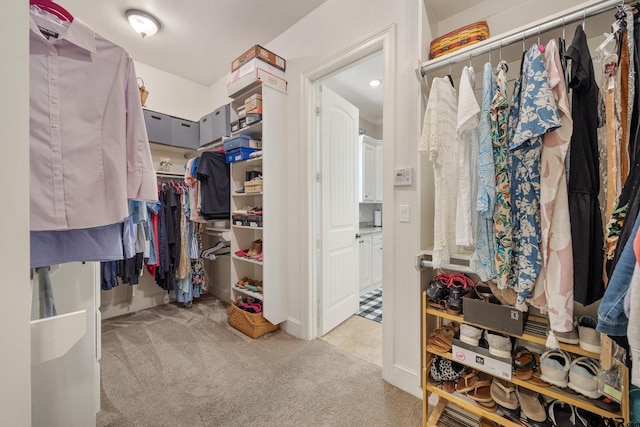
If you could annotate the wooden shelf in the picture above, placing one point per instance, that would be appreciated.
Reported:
(553, 392)
(538, 339)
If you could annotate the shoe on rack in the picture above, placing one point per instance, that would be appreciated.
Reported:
(470, 334)
(505, 296)
(459, 285)
(585, 418)
(504, 394)
(588, 335)
(531, 408)
(561, 414)
(570, 337)
(555, 364)
(583, 377)
(438, 291)
(499, 345)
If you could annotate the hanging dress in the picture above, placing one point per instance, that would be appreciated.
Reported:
(554, 288)
(439, 140)
(584, 175)
(482, 261)
(533, 113)
(502, 223)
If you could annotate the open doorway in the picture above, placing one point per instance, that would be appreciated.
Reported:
(351, 316)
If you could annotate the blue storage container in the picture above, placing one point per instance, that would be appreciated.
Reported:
(241, 141)
(239, 154)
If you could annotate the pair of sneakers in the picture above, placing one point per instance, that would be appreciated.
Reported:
(499, 345)
(583, 333)
(447, 289)
(580, 374)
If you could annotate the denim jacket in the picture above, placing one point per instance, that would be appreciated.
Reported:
(612, 319)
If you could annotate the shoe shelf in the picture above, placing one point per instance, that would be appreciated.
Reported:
(244, 259)
(256, 295)
(245, 227)
(430, 418)
(246, 195)
(538, 339)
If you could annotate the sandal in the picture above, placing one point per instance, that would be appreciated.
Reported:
(437, 291)
(524, 363)
(504, 394)
(481, 391)
(537, 371)
(487, 406)
(441, 338)
(467, 381)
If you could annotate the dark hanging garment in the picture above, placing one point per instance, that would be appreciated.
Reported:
(584, 176)
(213, 174)
(628, 204)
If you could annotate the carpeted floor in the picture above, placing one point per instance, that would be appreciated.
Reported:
(172, 366)
(371, 305)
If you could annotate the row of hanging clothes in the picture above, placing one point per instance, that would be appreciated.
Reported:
(540, 184)
(161, 238)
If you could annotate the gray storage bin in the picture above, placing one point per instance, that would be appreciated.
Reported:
(158, 127)
(185, 133)
(215, 125)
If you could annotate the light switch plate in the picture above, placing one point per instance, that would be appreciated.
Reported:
(403, 176)
(404, 213)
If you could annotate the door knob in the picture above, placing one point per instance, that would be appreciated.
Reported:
(358, 236)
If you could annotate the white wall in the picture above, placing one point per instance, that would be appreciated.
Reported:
(15, 343)
(329, 29)
(373, 130)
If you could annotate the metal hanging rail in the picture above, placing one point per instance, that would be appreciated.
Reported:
(517, 36)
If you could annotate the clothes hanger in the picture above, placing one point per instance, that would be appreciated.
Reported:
(53, 8)
(449, 75)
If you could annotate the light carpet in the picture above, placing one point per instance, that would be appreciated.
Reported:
(172, 366)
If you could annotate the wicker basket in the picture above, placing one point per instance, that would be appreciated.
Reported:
(251, 324)
(457, 39)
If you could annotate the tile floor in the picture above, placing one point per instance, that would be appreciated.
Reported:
(360, 337)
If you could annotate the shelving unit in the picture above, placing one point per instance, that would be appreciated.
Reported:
(430, 418)
(271, 271)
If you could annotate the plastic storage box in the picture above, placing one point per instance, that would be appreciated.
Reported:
(239, 154)
(215, 125)
(158, 127)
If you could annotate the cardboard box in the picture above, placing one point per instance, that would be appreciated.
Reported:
(501, 318)
(480, 358)
(253, 103)
(253, 79)
(258, 51)
(253, 186)
(250, 67)
(252, 118)
(241, 141)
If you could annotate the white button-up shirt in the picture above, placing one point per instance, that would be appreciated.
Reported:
(89, 150)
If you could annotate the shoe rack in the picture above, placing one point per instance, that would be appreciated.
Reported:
(435, 318)
(265, 238)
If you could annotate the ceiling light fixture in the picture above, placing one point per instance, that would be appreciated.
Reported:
(375, 83)
(143, 23)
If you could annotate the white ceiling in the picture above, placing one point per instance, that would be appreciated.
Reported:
(199, 38)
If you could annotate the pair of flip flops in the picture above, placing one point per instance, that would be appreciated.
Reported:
(477, 387)
(441, 338)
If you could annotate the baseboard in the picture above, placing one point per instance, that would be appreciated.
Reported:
(293, 327)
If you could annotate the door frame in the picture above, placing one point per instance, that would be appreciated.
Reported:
(382, 40)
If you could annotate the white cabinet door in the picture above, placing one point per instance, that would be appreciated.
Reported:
(365, 262)
(376, 258)
(378, 173)
(367, 172)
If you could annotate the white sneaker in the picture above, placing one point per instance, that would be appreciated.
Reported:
(470, 334)
(499, 345)
(555, 365)
(589, 336)
(583, 377)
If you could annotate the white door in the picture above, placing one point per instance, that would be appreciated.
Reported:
(339, 209)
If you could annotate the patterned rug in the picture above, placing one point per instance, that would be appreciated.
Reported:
(371, 305)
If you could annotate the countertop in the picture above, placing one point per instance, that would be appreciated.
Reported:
(370, 230)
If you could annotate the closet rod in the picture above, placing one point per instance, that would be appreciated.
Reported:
(516, 36)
